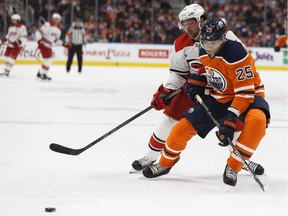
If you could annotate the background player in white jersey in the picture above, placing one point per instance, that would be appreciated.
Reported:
(184, 61)
(15, 39)
(47, 37)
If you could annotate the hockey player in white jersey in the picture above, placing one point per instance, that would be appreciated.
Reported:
(15, 39)
(47, 37)
(184, 61)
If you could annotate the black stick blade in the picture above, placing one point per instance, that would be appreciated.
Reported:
(64, 150)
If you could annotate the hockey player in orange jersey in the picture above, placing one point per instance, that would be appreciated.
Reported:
(184, 61)
(237, 93)
(282, 41)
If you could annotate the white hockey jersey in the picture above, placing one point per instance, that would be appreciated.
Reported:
(183, 61)
(49, 34)
(16, 35)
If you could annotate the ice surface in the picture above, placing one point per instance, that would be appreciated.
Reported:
(74, 110)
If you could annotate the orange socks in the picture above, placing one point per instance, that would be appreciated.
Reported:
(248, 141)
(176, 142)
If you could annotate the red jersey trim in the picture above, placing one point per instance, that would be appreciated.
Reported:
(183, 41)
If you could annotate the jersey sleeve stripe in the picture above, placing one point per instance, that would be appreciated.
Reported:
(244, 88)
(246, 92)
(244, 96)
(259, 90)
(180, 73)
(218, 97)
(234, 110)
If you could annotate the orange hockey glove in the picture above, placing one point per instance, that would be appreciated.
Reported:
(277, 49)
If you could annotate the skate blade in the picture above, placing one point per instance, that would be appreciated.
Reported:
(133, 171)
(43, 80)
(4, 76)
(228, 188)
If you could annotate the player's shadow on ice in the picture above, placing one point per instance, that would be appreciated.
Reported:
(209, 183)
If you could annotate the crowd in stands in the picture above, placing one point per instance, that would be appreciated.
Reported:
(155, 21)
(248, 20)
(132, 21)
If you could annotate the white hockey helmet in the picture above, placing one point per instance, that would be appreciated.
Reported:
(16, 17)
(56, 16)
(190, 11)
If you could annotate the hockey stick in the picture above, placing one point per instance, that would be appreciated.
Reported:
(199, 99)
(69, 151)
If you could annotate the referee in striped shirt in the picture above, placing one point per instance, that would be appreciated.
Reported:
(74, 42)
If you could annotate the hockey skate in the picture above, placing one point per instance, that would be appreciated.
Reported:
(4, 74)
(256, 168)
(43, 77)
(155, 170)
(40, 76)
(47, 78)
(141, 163)
(230, 176)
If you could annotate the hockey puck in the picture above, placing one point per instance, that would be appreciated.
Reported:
(50, 209)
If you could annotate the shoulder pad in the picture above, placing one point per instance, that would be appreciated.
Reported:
(183, 41)
(233, 51)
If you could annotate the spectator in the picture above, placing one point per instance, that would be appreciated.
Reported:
(117, 18)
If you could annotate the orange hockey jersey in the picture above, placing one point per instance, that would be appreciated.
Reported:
(233, 75)
(282, 41)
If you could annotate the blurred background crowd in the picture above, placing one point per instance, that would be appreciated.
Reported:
(257, 23)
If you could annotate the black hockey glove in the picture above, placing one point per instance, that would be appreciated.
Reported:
(195, 86)
(277, 49)
(226, 130)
